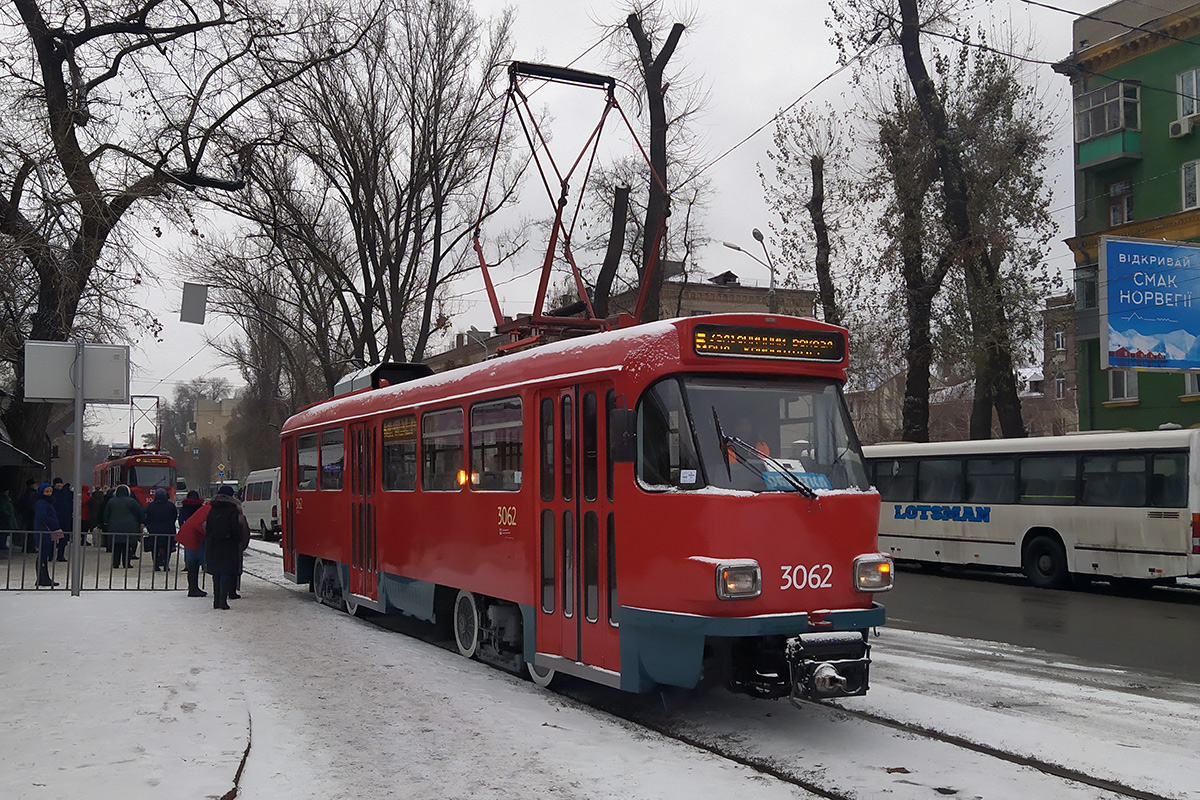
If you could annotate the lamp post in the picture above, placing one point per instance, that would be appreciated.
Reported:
(769, 264)
(474, 335)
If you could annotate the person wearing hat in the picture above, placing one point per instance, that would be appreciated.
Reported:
(64, 506)
(47, 530)
(160, 527)
(226, 535)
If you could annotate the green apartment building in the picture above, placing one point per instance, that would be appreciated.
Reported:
(1135, 79)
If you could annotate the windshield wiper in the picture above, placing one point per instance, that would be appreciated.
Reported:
(732, 444)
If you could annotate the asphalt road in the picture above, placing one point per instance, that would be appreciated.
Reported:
(1157, 630)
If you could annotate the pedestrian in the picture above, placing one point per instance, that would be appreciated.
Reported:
(8, 520)
(190, 536)
(26, 506)
(45, 523)
(226, 535)
(64, 506)
(101, 502)
(85, 514)
(122, 521)
(160, 527)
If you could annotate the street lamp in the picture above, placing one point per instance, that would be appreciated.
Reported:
(474, 335)
(769, 264)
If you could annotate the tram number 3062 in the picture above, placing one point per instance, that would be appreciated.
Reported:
(506, 515)
(803, 577)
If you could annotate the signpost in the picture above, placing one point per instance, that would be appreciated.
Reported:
(80, 373)
(1149, 304)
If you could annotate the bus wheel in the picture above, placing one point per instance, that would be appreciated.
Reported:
(542, 676)
(263, 532)
(1045, 563)
(466, 624)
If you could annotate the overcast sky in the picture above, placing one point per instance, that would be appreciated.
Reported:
(755, 59)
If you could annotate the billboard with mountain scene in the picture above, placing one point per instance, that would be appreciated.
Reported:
(1149, 304)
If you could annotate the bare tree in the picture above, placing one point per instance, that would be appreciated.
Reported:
(113, 106)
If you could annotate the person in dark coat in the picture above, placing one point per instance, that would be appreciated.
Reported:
(64, 506)
(122, 521)
(226, 535)
(160, 525)
(45, 523)
(101, 502)
(193, 557)
(85, 513)
(8, 520)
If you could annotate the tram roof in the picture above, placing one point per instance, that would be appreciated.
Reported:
(640, 349)
(1092, 440)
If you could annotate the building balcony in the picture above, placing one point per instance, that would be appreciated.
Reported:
(1123, 145)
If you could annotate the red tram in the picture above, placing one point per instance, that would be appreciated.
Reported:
(648, 506)
(142, 471)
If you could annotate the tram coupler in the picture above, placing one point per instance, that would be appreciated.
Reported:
(825, 665)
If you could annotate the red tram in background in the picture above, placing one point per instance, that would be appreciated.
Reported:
(647, 506)
(142, 471)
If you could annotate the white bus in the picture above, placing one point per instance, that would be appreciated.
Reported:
(1120, 506)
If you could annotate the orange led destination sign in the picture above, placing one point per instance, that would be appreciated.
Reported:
(741, 341)
(152, 460)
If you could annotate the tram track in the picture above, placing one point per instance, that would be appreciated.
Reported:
(652, 714)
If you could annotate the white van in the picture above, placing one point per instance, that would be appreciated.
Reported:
(260, 502)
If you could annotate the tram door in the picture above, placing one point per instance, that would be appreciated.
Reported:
(575, 523)
(364, 546)
(287, 493)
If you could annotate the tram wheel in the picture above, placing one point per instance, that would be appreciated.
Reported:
(466, 624)
(542, 676)
(318, 580)
(1045, 563)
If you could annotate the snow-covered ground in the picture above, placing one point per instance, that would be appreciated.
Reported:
(157, 695)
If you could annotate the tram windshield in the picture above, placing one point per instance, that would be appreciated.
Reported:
(152, 475)
(793, 430)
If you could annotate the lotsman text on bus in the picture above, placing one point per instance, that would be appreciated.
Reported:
(945, 513)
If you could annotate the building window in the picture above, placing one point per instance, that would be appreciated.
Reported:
(1191, 383)
(1189, 93)
(1086, 287)
(1122, 384)
(1060, 386)
(1120, 203)
(1190, 195)
(1109, 108)
(1060, 338)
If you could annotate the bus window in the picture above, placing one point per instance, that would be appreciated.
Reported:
(306, 462)
(991, 480)
(1048, 480)
(896, 480)
(939, 480)
(496, 445)
(441, 450)
(400, 453)
(333, 452)
(1168, 481)
(1114, 480)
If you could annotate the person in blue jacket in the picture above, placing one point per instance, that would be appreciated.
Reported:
(160, 529)
(47, 530)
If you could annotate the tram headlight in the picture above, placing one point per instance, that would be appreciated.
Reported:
(739, 580)
(873, 573)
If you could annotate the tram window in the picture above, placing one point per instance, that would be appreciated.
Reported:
(400, 453)
(568, 449)
(611, 560)
(896, 480)
(591, 566)
(548, 561)
(1048, 480)
(306, 462)
(939, 480)
(546, 447)
(1114, 480)
(991, 480)
(591, 459)
(441, 450)
(496, 445)
(666, 455)
(333, 454)
(1168, 481)
(610, 403)
(568, 563)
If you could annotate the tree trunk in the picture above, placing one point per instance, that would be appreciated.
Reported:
(657, 206)
(612, 256)
(816, 209)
